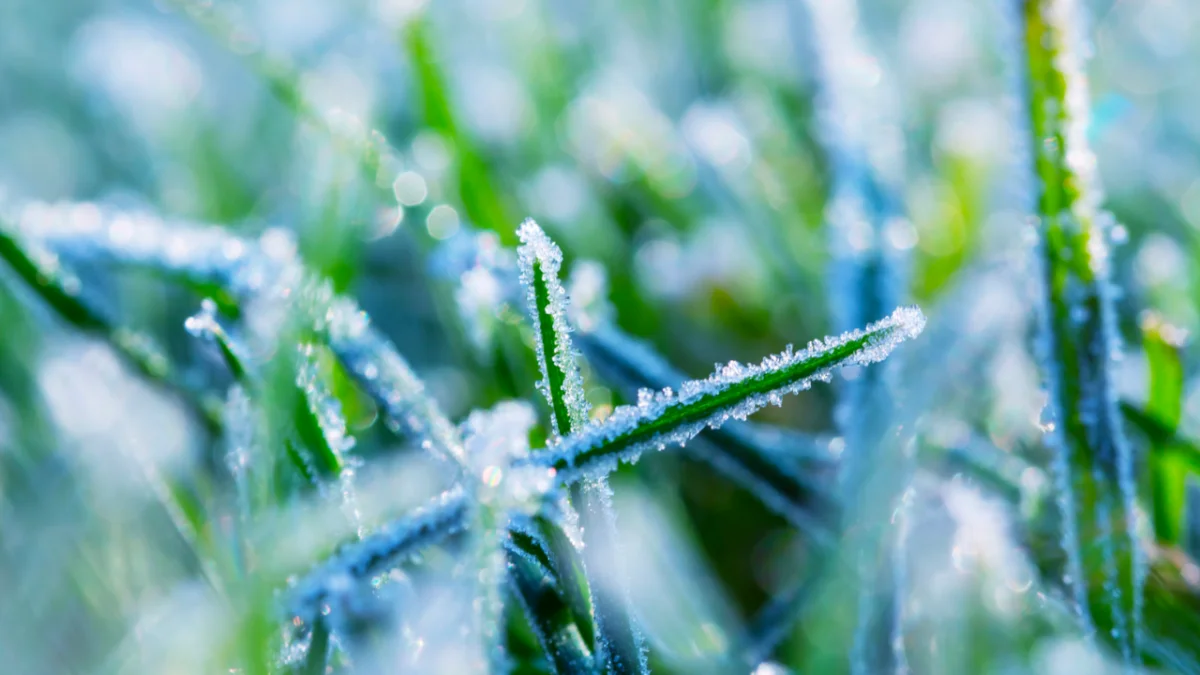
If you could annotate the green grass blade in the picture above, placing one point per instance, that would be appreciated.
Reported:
(476, 187)
(618, 641)
(205, 325)
(318, 650)
(1094, 470)
(319, 420)
(540, 260)
(549, 615)
(1164, 358)
(780, 466)
(42, 273)
(732, 392)
(1168, 470)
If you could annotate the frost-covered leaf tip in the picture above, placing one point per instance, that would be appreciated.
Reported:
(540, 260)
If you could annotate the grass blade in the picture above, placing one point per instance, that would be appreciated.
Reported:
(444, 516)
(733, 392)
(1168, 470)
(1093, 461)
(540, 260)
(773, 463)
(43, 274)
(620, 643)
(318, 650)
(549, 613)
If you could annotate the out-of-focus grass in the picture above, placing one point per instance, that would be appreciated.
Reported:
(674, 143)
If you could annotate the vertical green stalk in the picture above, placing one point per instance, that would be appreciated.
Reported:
(619, 642)
(867, 277)
(1164, 405)
(1093, 464)
(476, 187)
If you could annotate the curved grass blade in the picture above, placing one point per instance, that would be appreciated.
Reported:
(447, 514)
(388, 379)
(620, 643)
(734, 391)
(41, 271)
(1093, 463)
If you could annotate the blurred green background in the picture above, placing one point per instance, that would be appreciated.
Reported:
(673, 142)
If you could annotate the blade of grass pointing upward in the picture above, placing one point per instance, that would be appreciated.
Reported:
(320, 430)
(1169, 470)
(1093, 462)
(620, 644)
(863, 144)
(476, 187)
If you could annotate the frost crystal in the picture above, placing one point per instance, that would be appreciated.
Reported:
(204, 324)
(734, 391)
(495, 440)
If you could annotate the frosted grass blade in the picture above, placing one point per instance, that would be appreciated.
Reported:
(318, 649)
(446, 515)
(59, 288)
(772, 462)
(205, 325)
(1093, 463)
(540, 260)
(864, 147)
(620, 643)
(388, 378)
(734, 391)
(319, 419)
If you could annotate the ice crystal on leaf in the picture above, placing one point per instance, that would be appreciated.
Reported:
(495, 440)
